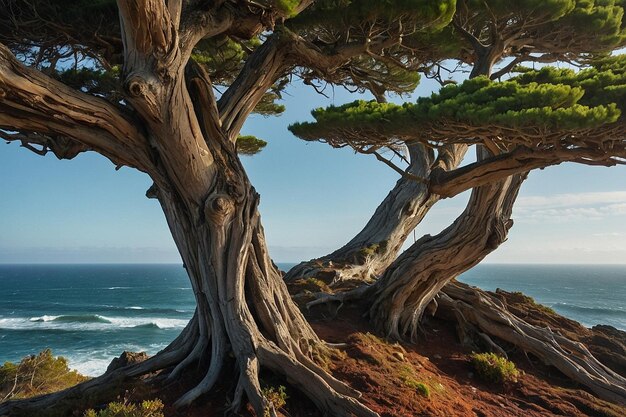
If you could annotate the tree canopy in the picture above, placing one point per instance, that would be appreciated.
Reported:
(530, 109)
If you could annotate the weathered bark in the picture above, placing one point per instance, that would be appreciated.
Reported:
(211, 208)
(521, 159)
(481, 314)
(375, 247)
(245, 308)
(47, 113)
(402, 294)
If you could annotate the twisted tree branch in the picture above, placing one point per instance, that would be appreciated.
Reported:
(64, 118)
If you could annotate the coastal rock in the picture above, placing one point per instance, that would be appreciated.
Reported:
(125, 359)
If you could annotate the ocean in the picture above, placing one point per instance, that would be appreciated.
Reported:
(91, 313)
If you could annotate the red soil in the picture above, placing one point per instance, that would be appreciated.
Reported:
(388, 373)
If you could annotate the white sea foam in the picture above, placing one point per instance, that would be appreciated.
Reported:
(90, 367)
(134, 308)
(44, 318)
(95, 362)
(89, 323)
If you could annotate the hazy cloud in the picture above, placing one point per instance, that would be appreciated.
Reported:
(567, 200)
(561, 208)
(89, 254)
(609, 234)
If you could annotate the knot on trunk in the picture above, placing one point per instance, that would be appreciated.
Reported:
(136, 86)
(143, 89)
(219, 207)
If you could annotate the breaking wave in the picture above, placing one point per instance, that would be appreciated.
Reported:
(89, 322)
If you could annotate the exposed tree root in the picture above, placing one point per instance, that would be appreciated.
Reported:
(245, 310)
(476, 310)
(323, 298)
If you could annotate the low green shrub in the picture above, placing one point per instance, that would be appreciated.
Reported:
(36, 375)
(149, 408)
(493, 368)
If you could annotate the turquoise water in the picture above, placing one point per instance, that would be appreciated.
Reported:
(91, 313)
(590, 294)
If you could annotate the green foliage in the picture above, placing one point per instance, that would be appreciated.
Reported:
(223, 57)
(36, 375)
(434, 14)
(97, 82)
(568, 27)
(521, 298)
(287, 6)
(32, 28)
(604, 81)
(373, 249)
(549, 98)
(250, 145)
(149, 408)
(422, 389)
(493, 368)
(276, 396)
(313, 284)
(268, 107)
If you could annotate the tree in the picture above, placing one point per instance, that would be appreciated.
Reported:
(139, 89)
(483, 34)
(405, 286)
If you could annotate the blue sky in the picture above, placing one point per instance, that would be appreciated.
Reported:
(313, 199)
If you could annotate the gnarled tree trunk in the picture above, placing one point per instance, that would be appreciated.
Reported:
(402, 294)
(244, 305)
(376, 246)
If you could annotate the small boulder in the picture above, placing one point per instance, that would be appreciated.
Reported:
(125, 359)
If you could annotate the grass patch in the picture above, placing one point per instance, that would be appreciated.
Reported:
(149, 408)
(36, 375)
(326, 356)
(313, 285)
(525, 299)
(406, 375)
(275, 396)
(422, 389)
(493, 368)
